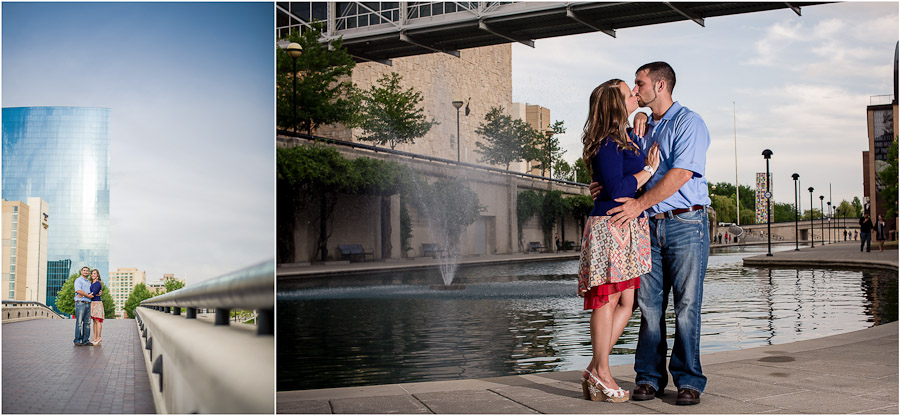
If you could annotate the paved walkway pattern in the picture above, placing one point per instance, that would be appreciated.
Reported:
(43, 372)
(842, 254)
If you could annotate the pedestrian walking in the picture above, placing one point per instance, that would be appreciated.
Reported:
(865, 232)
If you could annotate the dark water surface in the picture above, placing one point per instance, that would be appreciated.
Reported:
(525, 318)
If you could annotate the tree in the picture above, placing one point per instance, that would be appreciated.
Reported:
(888, 177)
(847, 210)
(782, 212)
(138, 295)
(857, 205)
(390, 114)
(563, 171)
(725, 208)
(506, 140)
(547, 150)
(172, 284)
(582, 175)
(580, 206)
(323, 94)
(65, 298)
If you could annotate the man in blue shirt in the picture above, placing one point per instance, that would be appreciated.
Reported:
(676, 201)
(83, 308)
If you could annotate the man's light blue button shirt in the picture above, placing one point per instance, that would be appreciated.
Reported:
(83, 285)
(683, 141)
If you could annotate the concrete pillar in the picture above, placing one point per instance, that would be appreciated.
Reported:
(511, 212)
(396, 249)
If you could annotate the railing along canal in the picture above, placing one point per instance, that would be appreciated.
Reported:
(24, 310)
(197, 366)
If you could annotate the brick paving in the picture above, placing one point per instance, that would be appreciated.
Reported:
(842, 254)
(43, 372)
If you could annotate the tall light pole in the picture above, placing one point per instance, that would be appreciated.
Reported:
(812, 226)
(829, 221)
(767, 154)
(458, 104)
(822, 221)
(294, 50)
(796, 212)
(737, 185)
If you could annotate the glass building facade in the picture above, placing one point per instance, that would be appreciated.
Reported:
(58, 272)
(61, 154)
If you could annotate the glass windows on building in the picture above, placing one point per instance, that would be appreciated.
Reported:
(61, 154)
(58, 272)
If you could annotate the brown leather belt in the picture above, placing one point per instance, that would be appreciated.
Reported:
(669, 214)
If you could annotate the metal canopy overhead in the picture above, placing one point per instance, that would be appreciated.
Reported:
(380, 31)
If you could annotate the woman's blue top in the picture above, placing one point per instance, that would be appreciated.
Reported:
(95, 290)
(614, 169)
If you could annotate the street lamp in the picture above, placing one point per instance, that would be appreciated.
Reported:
(812, 226)
(458, 104)
(796, 215)
(822, 211)
(549, 133)
(294, 50)
(767, 154)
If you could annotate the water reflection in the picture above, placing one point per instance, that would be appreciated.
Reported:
(525, 318)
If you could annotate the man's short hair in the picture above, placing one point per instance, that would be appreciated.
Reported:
(86, 267)
(660, 71)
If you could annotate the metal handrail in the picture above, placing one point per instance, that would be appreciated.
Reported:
(419, 156)
(249, 288)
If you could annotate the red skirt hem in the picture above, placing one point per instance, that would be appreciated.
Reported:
(598, 296)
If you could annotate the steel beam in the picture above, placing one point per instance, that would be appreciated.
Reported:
(506, 35)
(404, 37)
(596, 26)
(795, 8)
(686, 13)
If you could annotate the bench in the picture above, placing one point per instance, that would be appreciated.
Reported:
(433, 250)
(355, 252)
(536, 246)
(568, 245)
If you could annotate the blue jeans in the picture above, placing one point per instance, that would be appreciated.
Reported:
(865, 240)
(679, 246)
(82, 322)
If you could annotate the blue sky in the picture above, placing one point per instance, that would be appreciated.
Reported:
(800, 85)
(190, 87)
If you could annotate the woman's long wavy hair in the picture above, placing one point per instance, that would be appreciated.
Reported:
(607, 117)
(98, 275)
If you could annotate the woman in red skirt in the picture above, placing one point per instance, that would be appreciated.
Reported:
(612, 258)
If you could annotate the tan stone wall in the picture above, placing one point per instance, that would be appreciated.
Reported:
(484, 74)
(357, 219)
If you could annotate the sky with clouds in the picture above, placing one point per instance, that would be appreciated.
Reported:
(190, 88)
(800, 86)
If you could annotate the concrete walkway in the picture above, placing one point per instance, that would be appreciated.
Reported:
(43, 372)
(837, 255)
(855, 372)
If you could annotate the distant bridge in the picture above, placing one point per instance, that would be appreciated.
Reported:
(380, 31)
(161, 362)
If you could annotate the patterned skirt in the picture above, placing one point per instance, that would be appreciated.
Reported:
(612, 258)
(97, 311)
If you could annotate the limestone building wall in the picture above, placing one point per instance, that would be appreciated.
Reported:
(481, 77)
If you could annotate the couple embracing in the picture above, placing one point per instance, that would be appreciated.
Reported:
(88, 307)
(647, 235)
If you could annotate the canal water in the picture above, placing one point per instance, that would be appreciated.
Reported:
(525, 318)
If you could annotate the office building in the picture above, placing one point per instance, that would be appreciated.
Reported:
(881, 120)
(61, 155)
(121, 282)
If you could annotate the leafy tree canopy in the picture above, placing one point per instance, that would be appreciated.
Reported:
(172, 284)
(388, 114)
(138, 295)
(888, 176)
(323, 94)
(505, 140)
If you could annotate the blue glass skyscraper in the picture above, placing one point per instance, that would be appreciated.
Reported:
(61, 154)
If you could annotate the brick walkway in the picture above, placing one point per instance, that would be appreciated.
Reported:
(842, 254)
(43, 372)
